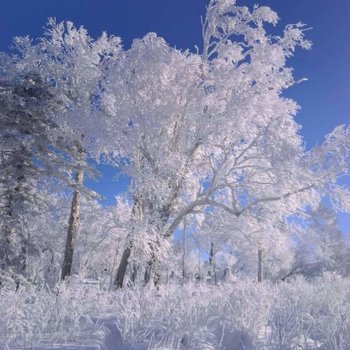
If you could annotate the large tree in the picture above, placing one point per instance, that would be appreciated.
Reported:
(211, 129)
(194, 131)
(31, 153)
(74, 65)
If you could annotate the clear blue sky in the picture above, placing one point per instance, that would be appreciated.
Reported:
(324, 98)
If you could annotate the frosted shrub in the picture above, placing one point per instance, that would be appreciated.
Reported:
(331, 312)
(313, 315)
(246, 312)
(30, 315)
(187, 317)
(192, 316)
(290, 320)
(244, 315)
(168, 317)
(24, 316)
(173, 317)
(69, 313)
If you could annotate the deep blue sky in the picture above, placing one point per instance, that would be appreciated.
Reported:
(324, 98)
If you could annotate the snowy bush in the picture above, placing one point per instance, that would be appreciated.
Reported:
(30, 315)
(310, 315)
(24, 316)
(244, 315)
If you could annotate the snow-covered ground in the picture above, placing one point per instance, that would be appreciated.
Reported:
(102, 334)
(195, 316)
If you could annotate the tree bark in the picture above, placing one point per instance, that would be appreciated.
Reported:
(260, 265)
(211, 254)
(119, 278)
(6, 237)
(184, 251)
(163, 215)
(13, 250)
(137, 211)
(211, 271)
(148, 271)
(134, 273)
(73, 227)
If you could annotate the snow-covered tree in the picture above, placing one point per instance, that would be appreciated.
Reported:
(31, 153)
(73, 65)
(213, 130)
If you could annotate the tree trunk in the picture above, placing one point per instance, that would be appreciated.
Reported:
(260, 265)
(119, 278)
(13, 249)
(148, 271)
(211, 271)
(151, 266)
(73, 227)
(134, 272)
(211, 254)
(163, 214)
(6, 238)
(184, 251)
(137, 209)
(156, 279)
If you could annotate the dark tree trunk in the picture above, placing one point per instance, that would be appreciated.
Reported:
(13, 255)
(134, 273)
(153, 264)
(119, 278)
(260, 265)
(73, 227)
(137, 212)
(163, 215)
(148, 274)
(211, 254)
(184, 251)
(211, 271)
(156, 279)
(148, 271)
(7, 233)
